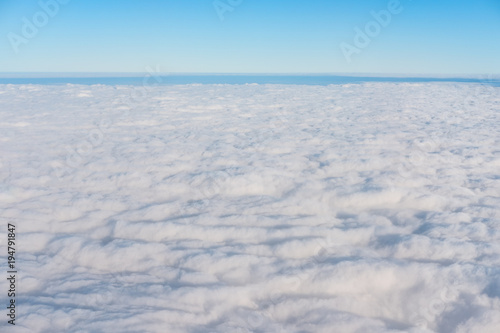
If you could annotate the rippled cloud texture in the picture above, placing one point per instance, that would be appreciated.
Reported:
(253, 208)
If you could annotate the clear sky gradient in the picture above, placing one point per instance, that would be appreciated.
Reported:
(257, 36)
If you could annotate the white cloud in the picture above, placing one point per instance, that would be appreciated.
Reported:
(254, 208)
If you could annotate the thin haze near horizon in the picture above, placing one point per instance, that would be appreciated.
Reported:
(251, 36)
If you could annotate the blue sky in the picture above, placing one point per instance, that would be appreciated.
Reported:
(257, 36)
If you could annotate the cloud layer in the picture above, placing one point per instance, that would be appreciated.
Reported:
(253, 208)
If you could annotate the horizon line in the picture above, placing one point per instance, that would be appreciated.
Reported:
(15, 75)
